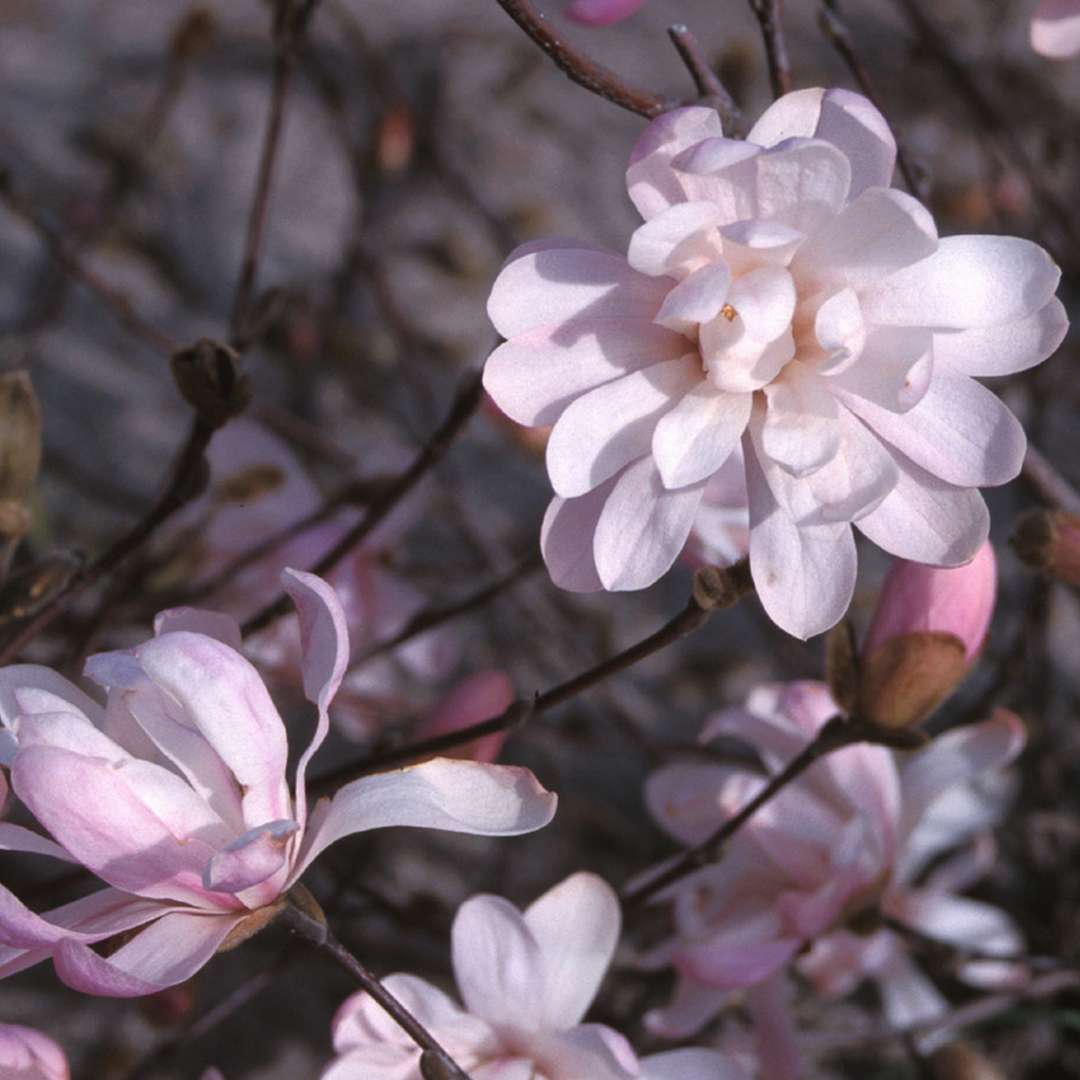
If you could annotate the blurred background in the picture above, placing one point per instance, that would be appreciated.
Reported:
(422, 141)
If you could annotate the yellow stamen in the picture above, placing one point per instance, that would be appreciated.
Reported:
(728, 312)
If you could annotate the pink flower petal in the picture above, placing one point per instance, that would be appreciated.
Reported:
(479, 697)
(728, 966)
(695, 438)
(841, 117)
(165, 953)
(1055, 29)
(642, 527)
(676, 238)
(601, 12)
(611, 426)
(576, 927)
(691, 1063)
(214, 624)
(566, 539)
(27, 1054)
(251, 859)
(458, 796)
(697, 299)
(893, 369)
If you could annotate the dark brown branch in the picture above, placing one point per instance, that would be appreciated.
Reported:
(466, 402)
(713, 590)
(113, 299)
(770, 17)
(836, 734)
(438, 614)
(179, 490)
(290, 23)
(711, 91)
(839, 37)
(581, 68)
(318, 935)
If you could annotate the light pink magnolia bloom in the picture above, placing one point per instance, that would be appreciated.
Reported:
(27, 1054)
(527, 979)
(919, 599)
(1055, 28)
(260, 488)
(855, 834)
(782, 297)
(601, 12)
(175, 795)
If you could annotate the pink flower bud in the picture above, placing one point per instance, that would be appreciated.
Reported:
(1050, 540)
(601, 12)
(479, 697)
(929, 626)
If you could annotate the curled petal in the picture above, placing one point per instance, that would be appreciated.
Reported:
(250, 859)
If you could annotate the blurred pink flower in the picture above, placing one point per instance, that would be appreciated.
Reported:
(782, 298)
(601, 12)
(481, 696)
(527, 980)
(1055, 28)
(258, 488)
(26, 1054)
(854, 836)
(175, 795)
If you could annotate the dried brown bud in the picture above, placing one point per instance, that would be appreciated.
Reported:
(20, 436)
(842, 666)
(961, 1061)
(722, 586)
(1050, 540)
(906, 679)
(208, 375)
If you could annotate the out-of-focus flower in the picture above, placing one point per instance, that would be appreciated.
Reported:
(481, 696)
(1055, 28)
(527, 980)
(259, 489)
(1050, 540)
(175, 795)
(27, 1054)
(782, 297)
(601, 12)
(929, 625)
(852, 839)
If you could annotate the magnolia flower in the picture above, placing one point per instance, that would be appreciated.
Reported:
(527, 980)
(175, 795)
(928, 628)
(783, 298)
(853, 837)
(27, 1054)
(1055, 28)
(601, 12)
(259, 489)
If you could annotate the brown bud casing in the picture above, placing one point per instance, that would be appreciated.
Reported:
(722, 586)
(20, 436)
(842, 666)
(906, 679)
(209, 377)
(1049, 540)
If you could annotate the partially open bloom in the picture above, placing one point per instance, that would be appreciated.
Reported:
(783, 298)
(929, 625)
(852, 839)
(175, 795)
(527, 979)
(1055, 28)
(27, 1054)
(601, 12)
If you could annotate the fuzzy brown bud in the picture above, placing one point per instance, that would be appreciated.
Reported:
(1049, 540)
(209, 377)
(722, 586)
(20, 436)
(961, 1061)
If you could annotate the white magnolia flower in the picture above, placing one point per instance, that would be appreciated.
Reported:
(783, 298)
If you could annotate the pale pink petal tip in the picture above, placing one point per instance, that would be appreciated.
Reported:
(28, 1054)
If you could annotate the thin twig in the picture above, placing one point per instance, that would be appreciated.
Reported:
(770, 17)
(113, 299)
(438, 614)
(177, 493)
(581, 68)
(1052, 487)
(835, 735)
(320, 937)
(711, 91)
(839, 37)
(697, 611)
(466, 402)
(289, 26)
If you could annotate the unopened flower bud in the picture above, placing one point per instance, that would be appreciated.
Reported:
(929, 626)
(20, 436)
(1050, 540)
(208, 375)
(961, 1061)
